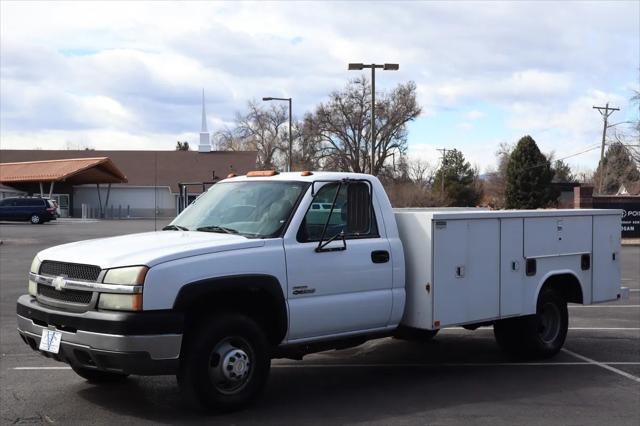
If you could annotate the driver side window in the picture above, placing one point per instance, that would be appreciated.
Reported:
(320, 209)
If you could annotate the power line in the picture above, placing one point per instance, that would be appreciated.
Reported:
(557, 159)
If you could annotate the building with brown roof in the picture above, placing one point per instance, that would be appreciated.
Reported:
(152, 177)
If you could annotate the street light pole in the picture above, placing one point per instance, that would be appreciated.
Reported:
(290, 139)
(290, 156)
(373, 116)
(385, 67)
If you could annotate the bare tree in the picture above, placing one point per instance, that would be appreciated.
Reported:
(496, 181)
(420, 171)
(258, 129)
(307, 147)
(264, 130)
(226, 139)
(342, 125)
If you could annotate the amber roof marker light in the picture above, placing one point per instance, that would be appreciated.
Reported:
(262, 173)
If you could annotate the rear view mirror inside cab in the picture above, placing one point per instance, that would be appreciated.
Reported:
(359, 208)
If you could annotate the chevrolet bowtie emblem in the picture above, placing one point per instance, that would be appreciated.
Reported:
(59, 283)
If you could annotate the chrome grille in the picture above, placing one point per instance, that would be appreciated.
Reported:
(76, 271)
(73, 296)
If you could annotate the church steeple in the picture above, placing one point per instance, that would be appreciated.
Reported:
(205, 141)
(204, 116)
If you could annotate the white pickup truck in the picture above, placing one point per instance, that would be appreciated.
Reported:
(274, 265)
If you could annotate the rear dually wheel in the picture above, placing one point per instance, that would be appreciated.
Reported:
(541, 335)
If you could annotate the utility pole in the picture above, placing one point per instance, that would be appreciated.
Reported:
(442, 164)
(605, 112)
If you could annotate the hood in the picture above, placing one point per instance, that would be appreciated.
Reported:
(149, 248)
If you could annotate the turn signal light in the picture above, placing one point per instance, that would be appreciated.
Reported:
(120, 302)
(262, 173)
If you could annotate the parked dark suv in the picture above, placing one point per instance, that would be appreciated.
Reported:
(35, 210)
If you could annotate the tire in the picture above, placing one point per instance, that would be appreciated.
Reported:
(97, 376)
(35, 219)
(225, 364)
(414, 334)
(536, 336)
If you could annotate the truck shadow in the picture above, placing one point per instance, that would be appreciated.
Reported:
(375, 383)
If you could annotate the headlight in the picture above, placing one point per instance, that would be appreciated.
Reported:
(132, 275)
(120, 302)
(35, 265)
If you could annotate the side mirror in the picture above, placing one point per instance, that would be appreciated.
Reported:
(358, 208)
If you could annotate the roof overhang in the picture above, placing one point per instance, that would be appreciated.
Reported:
(73, 170)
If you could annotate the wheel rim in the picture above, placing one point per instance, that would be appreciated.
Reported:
(230, 365)
(549, 322)
(35, 218)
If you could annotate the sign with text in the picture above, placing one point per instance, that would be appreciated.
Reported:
(630, 215)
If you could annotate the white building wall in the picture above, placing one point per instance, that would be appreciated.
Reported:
(6, 192)
(126, 201)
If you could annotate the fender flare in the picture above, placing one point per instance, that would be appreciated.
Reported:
(266, 285)
(557, 272)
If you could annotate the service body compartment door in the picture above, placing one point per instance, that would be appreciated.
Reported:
(606, 254)
(553, 236)
(512, 266)
(466, 270)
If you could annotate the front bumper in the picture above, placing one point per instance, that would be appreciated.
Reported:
(145, 343)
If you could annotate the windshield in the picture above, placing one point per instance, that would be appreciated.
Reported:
(251, 209)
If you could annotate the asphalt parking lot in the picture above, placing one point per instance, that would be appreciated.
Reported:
(458, 378)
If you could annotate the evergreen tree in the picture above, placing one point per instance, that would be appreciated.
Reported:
(562, 172)
(461, 185)
(182, 146)
(618, 168)
(529, 176)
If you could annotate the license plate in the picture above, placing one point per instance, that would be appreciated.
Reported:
(50, 341)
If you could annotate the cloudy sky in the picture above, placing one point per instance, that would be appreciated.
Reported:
(128, 75)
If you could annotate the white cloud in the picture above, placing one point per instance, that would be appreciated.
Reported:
(132, 72)
(475, 115)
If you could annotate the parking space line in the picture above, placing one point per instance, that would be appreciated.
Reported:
(570, 328)
(605, 328)
(603, 306)
(448, 364)
(603, 365)
(42, 368)
(410, 365)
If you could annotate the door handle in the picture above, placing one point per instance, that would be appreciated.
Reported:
(380, 256)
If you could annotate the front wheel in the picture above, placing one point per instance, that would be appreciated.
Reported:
(225, 364)
(536, 336)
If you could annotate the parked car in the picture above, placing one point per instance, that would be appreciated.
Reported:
(55, 205)
(34, 210)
